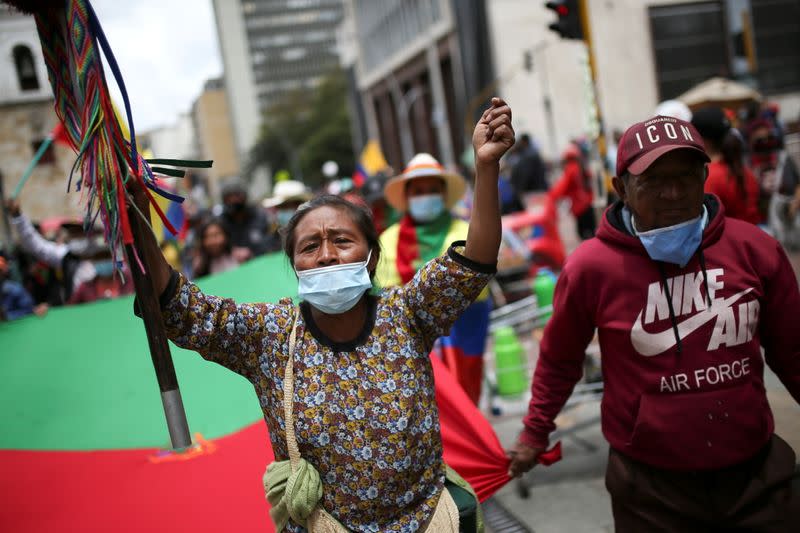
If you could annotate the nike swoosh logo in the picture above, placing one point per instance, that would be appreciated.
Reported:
(649, 344)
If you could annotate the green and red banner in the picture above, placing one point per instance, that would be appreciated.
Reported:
(82, 434)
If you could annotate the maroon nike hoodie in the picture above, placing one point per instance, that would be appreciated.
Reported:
(681, 347)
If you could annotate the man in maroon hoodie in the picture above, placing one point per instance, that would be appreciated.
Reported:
(684, 301)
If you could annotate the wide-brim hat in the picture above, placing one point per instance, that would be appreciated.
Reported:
(423, 166)
(287, 191)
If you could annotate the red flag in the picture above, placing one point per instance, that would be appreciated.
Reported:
(471, 447)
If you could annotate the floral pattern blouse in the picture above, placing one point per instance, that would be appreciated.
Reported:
(365, 411)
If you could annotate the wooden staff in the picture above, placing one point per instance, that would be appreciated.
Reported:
(150, 309)
(56, 13)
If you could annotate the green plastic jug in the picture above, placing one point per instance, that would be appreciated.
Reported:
(510, 363)
(544, 285)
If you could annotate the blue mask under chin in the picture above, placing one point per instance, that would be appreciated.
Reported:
(671, 244)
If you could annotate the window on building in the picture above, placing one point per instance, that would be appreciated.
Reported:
(294, 54)
(753, 41)
(689, 45)
(777, 44)
(49, 156)
(26, 68)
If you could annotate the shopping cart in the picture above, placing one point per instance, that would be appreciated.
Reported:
(528, 319)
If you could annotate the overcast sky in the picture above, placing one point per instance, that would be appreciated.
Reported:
(166, 50)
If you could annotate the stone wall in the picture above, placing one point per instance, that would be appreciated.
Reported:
(44, 194)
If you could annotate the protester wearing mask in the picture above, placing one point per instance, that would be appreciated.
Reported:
(286, 197)
(247, 225)
(684, 300)
(424, 194)
(354, 364)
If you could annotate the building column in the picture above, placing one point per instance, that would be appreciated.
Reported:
(439, 114)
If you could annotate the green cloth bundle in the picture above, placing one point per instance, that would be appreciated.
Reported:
(292, 494)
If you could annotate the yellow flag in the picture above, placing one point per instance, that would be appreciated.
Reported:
(372, 159)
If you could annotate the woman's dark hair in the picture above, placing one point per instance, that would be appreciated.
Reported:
(732, 149)
(359, 215)
(205, 261)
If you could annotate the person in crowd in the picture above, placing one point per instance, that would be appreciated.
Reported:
(382, 213)
(575, 184)
(675, 109)
(106, 284)
(15, 301)
(728, 177)
(611, 152)
(361, 424)
(510, 201)
(424, 194)
(528, 173)
(247, 225)
(215, 253)
(191, 243)
(610, 164)
(779, 181)
(286, 197)
(196, 186)
(69, 258)
(43, 282)
(684, 299)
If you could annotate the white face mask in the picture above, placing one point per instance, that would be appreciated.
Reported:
(334, 289)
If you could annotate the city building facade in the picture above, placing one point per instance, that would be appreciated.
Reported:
(645, 52)
(214, 135)
(271, 47)
(420, 67)
(27, 116)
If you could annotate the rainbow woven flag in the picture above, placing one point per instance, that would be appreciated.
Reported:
(107, 162)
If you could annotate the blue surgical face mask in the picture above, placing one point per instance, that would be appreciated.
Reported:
(674, 244)
(334, 289)
(284, 216)
(425, 208)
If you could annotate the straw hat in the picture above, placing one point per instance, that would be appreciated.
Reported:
(423, 166)
(287, 191)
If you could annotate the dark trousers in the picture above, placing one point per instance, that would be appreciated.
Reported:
(586, 224)
(761, 494)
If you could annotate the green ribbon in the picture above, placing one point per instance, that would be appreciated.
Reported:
(28, 171)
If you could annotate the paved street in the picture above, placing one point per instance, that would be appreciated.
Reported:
(570, 496)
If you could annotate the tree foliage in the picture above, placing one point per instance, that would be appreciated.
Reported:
(305, 128)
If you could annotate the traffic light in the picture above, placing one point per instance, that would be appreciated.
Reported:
(568, 25)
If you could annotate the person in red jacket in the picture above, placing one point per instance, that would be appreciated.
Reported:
(728, 177)
(684, 300)
(575, 184)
